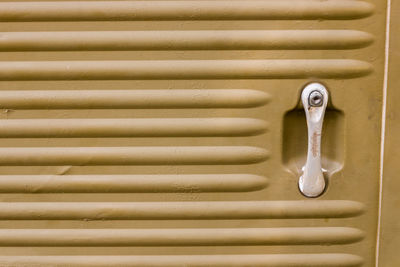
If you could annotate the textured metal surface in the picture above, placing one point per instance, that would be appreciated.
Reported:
(151, 133)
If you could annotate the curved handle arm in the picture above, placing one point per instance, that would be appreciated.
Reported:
(315, 99)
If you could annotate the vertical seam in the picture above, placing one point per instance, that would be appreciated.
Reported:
(383, 128)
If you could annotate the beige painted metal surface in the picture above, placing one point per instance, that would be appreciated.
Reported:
(389, 242)
(170, 133)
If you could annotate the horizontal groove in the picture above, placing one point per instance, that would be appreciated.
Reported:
(182, 10)
(156, 183)
(183, 69)
(128, 99)
(148, 127)
(185, 40)
(244, 260)
(181, 237)
(179, 210)
(186, 155)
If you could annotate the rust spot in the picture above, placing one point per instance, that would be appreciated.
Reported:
(314, 144)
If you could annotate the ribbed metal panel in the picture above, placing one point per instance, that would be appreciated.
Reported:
(156, 183)
(295, 260)
(185, 69)
(179, 237)
(181, 210)
(149, 133)
(185, 40)
(133, 99)
(187, 10)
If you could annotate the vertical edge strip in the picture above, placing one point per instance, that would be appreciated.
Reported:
(383, 128)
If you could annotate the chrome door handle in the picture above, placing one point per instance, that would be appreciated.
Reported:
(315, 99)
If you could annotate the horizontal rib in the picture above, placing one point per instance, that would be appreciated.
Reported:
(156, 183)
(120, 99)
(175, 40)
(179, 210)
(187, 155)
(244, 260)
(148, 127)
(181, 237)
(182, 10)
(183, 69)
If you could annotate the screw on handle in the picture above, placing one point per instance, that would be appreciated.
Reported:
(315, 99)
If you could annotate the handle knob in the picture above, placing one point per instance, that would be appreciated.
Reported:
(315, 99)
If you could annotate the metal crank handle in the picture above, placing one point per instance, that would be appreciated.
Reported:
(315, 99)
